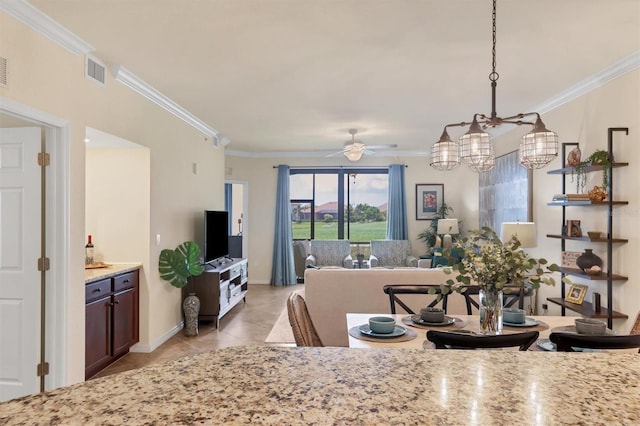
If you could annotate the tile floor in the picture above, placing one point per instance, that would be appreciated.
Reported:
(246, 324)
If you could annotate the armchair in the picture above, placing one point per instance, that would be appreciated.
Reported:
(391, 253)
(329, 253)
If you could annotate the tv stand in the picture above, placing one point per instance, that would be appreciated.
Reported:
(220, 288)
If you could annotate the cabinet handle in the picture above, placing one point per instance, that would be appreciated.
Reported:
(97, 290)
(117, 302)
(125, 281)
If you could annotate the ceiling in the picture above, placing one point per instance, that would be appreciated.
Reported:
(283, 76)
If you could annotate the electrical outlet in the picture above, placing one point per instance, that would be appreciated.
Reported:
(158, 240)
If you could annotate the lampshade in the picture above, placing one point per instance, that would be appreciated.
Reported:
(476, 149)
(538, 147)
(524, 231)
(447, 226)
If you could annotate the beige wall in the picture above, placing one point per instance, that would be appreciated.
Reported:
(47, 77)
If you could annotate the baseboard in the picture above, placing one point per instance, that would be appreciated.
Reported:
(150, 347)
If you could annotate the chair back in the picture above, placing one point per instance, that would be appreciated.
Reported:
(392, 253)
(453, 340)
(331, 252)
(395, 291)
(565, 342)
(510, 294)
(304, 332)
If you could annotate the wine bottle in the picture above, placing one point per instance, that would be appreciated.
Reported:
(88, 252)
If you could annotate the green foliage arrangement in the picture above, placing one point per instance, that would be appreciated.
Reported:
(177, 266)
(599, 157)
(491, 264)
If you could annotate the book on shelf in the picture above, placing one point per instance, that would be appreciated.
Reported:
(571, 197)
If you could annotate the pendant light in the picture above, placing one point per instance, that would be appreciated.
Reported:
(475, 148)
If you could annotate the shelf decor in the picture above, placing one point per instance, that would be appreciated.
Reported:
(576, 294)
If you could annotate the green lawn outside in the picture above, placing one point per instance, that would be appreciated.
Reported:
(358, 232)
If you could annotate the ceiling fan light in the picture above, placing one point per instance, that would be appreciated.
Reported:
(354, 155)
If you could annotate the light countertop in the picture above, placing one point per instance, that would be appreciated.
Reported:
(278, 385)
(114, 269)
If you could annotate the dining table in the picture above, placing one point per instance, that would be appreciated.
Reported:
(415, 337)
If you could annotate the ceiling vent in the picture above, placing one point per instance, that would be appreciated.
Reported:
(4, 72)
(95, 71)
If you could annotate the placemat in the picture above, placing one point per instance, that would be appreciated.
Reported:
(409, 335)
(458, 323)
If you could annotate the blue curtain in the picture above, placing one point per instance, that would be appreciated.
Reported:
(397, 228)
(228, 203)
(283, 271)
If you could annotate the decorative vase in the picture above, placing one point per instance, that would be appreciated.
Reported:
(588, 259)
(191, 307)
(490, 302)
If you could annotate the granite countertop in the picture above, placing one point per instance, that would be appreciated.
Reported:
(278, 385)
(112, 270)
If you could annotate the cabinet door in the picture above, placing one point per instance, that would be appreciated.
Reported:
(124, 321)
(97, 335)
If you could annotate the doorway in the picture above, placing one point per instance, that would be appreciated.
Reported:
(55, 241)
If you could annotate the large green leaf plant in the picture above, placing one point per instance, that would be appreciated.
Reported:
(177, 266)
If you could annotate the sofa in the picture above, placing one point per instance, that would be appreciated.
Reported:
(332, 292)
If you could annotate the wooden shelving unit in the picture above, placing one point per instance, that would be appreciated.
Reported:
(586, 309)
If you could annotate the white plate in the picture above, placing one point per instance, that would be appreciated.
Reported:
(397, 332)
(528, 322)
(548, 345)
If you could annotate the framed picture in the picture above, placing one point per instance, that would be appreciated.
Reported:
(429, 199)
(573, 228)
(576, 294)
(569, 258)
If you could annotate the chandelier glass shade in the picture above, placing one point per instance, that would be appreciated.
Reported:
(444, 153)
(475, 148)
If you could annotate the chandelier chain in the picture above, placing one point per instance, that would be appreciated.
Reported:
(494, 75)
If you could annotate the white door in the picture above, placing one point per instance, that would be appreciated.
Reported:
(20, 245)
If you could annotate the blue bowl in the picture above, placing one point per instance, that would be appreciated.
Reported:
(513, 315)
(382, 325)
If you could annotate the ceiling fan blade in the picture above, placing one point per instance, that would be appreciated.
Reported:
(384, 146)
(334, 154)
(368, 152)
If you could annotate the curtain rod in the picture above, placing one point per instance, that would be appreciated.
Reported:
(338, 167)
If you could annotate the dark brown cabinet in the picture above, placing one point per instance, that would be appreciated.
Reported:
(112, 317)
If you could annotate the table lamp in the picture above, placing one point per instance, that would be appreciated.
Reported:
(446, 228)
(524, 231)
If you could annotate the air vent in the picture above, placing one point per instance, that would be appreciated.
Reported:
(4, 71)
(95, 71)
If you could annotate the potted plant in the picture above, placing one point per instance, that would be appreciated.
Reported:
(429, 235)
(177, 267)
(599, 157)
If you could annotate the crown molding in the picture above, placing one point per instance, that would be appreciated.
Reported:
(615, 70)
(38, 21)
(319, 154)
(138, 85)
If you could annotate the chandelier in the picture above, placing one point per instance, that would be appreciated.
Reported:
(475, 148)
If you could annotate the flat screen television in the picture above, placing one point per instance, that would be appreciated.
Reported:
(216, 235)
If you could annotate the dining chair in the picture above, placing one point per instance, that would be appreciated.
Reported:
(396, 290)
(510, 294)
(453, 340)
(304, 333)
(565, 342)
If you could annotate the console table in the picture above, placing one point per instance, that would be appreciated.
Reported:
(295, 386)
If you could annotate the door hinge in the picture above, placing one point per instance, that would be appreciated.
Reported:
(43, 369)
(43, 264)
(43, 159)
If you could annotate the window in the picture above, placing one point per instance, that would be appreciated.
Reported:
(339, 203)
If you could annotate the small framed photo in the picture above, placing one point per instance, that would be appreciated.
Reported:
(576, 294)
(573, 228)
(429, 199)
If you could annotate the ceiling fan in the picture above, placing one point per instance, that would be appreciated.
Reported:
(354, 150)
